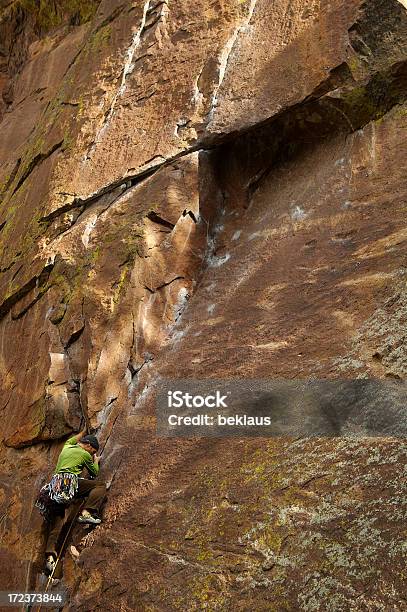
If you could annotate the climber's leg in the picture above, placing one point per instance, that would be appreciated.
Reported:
(95, 493)
(53, 534)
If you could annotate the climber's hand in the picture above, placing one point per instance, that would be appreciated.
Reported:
(96, 458)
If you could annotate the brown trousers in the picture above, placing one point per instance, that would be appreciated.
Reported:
(94, 491)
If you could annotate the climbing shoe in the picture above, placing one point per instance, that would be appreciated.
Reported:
(50, 563)
(87, 517)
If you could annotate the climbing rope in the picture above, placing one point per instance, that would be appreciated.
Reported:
(61, 550)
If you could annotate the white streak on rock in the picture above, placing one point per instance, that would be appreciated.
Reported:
(129, 66)
(298, 213)
(179, 307)
(197, 95)
(226, 52)
(216, 262)
(373, 145)
(127, 69)
(88, 230)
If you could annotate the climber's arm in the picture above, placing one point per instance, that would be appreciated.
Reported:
(77, 438)
(92, 465)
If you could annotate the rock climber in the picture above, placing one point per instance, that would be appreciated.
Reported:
(66, 485)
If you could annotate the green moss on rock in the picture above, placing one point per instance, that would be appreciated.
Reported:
(50, 14)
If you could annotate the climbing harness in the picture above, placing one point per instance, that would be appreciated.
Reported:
(63, 487)
(58, 492)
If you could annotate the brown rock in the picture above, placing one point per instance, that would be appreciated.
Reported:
(202, 190)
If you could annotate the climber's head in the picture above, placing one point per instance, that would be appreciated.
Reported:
(90, 443)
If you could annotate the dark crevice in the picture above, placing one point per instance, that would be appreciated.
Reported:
(75, 386)
(22, 312)
(189, 213)
(338, 77)
(141, 98)
(74, 337)
(153, 15)
(110, 433)
(256, 180)
(106, 410)
(8, 267)
(357, 42)
(35, 281)
(149, 24)
(134, 370)
(130, 181)
(30, 305)
(163, 285)
(83, 203)
(107, 20)
(131, 171)
(60, 211)
(141, 57)
(38, 159)
(42, 283)
(10, 179)
(60, 384)
(169, 282)
(152, 215)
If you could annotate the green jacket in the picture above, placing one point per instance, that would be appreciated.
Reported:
(74, 458)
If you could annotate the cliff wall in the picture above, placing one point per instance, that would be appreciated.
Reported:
(204, 190)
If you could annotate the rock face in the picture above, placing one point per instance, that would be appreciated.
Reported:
(203, 190)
